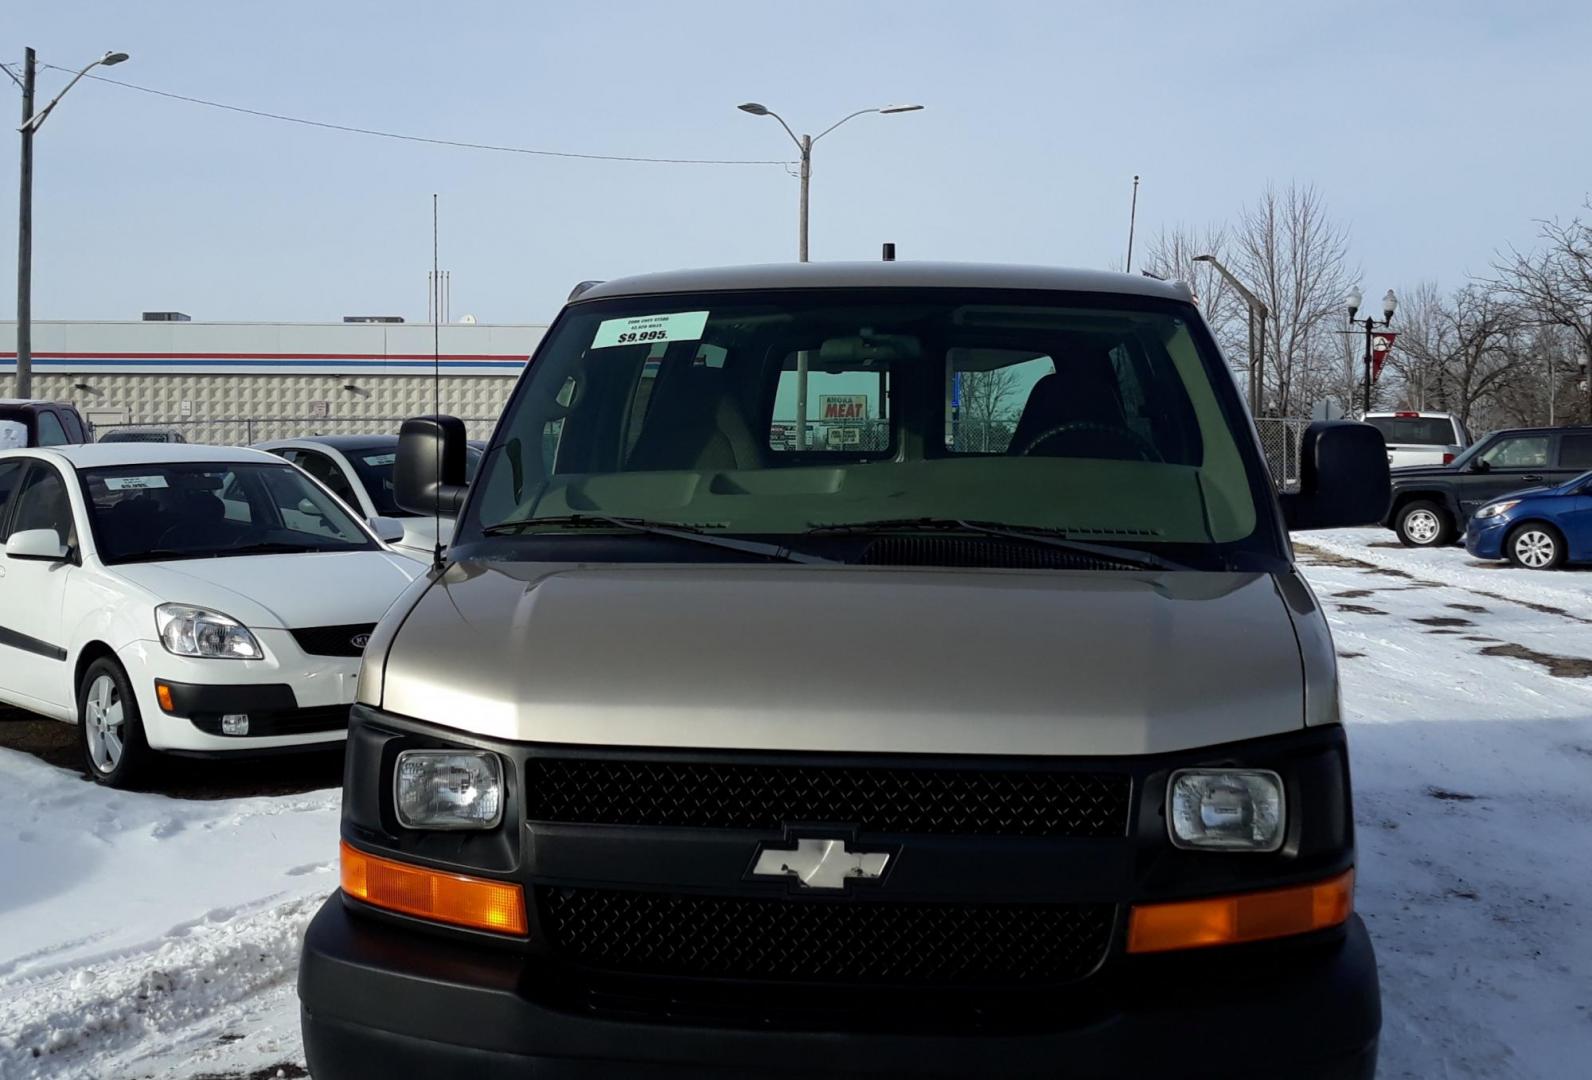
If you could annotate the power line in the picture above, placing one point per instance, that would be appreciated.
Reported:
(11, 73)
(458, 144)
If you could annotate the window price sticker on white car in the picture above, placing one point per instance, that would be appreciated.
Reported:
(134, 483)
(378, 460)
(650, 329)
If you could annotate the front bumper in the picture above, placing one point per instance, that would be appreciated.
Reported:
(380, 1000)
(289, 696)
(1484, 537)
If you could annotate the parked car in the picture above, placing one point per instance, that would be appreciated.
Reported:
(1539, 529)
(143, 435)
(40, 423)
(192, 599)
(1420, 438)
(1430, 505)
(359, 470)
(702, 755)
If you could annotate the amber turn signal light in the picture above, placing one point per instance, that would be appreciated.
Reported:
(1232, 920)
(457, 899)
(163, 696)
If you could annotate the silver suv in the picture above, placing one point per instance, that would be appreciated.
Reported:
(886, 669)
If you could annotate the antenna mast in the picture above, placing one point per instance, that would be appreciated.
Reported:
(436, 374)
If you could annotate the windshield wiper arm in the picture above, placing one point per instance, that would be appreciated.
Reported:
(670, 529)
(1034, 534)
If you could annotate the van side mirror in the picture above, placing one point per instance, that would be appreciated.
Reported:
(428, 477)
(1343, 477)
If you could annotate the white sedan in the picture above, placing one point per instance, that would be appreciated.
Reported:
(359, 470)
(192, 599)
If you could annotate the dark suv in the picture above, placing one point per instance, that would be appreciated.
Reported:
(1431, 504)
(40, 423)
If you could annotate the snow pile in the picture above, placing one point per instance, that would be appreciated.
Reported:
(133, 923)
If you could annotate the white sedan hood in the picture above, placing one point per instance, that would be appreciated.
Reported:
(282, 592)
(846, 659)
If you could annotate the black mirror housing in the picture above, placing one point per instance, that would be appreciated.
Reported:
(1343, 477)
(428, 477)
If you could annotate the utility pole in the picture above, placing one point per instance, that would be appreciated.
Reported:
(24, 380)
(1133, 218)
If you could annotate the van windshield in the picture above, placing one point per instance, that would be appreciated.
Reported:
(806, 413)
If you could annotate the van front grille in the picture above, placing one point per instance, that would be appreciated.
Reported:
(876, 799)
(826, 941)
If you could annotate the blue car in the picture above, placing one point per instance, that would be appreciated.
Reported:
(1538, 529)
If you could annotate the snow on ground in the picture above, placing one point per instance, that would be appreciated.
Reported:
(136, 928)
(147, 937)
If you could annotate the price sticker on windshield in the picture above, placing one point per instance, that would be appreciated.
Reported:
(134, 483)
(650, 329)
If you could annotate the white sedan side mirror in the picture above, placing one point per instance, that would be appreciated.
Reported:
(41, 544)
(388, 530)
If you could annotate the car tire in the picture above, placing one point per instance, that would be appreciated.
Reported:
(1424, 523)
(110, 730)
(1535, 546)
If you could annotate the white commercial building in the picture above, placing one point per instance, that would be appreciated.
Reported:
(242, 382)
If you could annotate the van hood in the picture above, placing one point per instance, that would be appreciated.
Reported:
(282, 592)
(847, 659)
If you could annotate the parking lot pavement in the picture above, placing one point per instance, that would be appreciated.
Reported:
(1467, 690)
(157, 937)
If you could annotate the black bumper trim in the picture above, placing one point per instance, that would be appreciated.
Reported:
(379, 1001)
(187, 699)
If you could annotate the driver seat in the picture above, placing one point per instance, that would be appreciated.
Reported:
(1082, 390)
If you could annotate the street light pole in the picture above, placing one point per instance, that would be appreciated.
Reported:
(804, 143)
(1258, 313)
(24, 376)
(1389, 305)
(31, 123)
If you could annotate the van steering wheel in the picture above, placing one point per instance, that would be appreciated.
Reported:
(1145, 449)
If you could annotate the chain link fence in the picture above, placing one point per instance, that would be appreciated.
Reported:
(245, 431)
(1279, 441)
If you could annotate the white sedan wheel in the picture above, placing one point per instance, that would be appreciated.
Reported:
(105, 716)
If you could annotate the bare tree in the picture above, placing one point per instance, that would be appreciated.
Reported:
(1461, 350)
(1171, 255)
(1296, 260)
(989, 407)
(1554, 283)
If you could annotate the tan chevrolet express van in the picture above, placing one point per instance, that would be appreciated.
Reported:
(857, 670)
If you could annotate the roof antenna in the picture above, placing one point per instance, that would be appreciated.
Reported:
(436, 377)
(889, 252)
(1133, 219)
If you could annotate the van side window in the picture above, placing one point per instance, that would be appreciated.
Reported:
(988, 389)
(51, 433)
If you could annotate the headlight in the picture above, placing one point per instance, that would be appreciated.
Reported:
(1494, 509)
(448, 789)
(191, 631)
(1225, 809)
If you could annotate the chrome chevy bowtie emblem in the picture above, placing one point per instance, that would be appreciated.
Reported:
(359, 641)
(820, 864)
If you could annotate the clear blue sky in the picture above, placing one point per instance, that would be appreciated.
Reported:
(1436, 132)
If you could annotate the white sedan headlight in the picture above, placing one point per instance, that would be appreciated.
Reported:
(193, 631)
(1226, 809)
(1494, 509)
(448, 789)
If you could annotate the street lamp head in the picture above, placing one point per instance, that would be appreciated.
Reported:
(1352, 301)
(888, 109)
(111, 59)
(754, 108)
(1205, 258)
(1390, 304)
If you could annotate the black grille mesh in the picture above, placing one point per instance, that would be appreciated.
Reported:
(852, 941)
(332, 640)
(738, 795)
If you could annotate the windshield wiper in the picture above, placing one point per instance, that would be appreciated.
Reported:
(1033, 534)
(670, 529)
